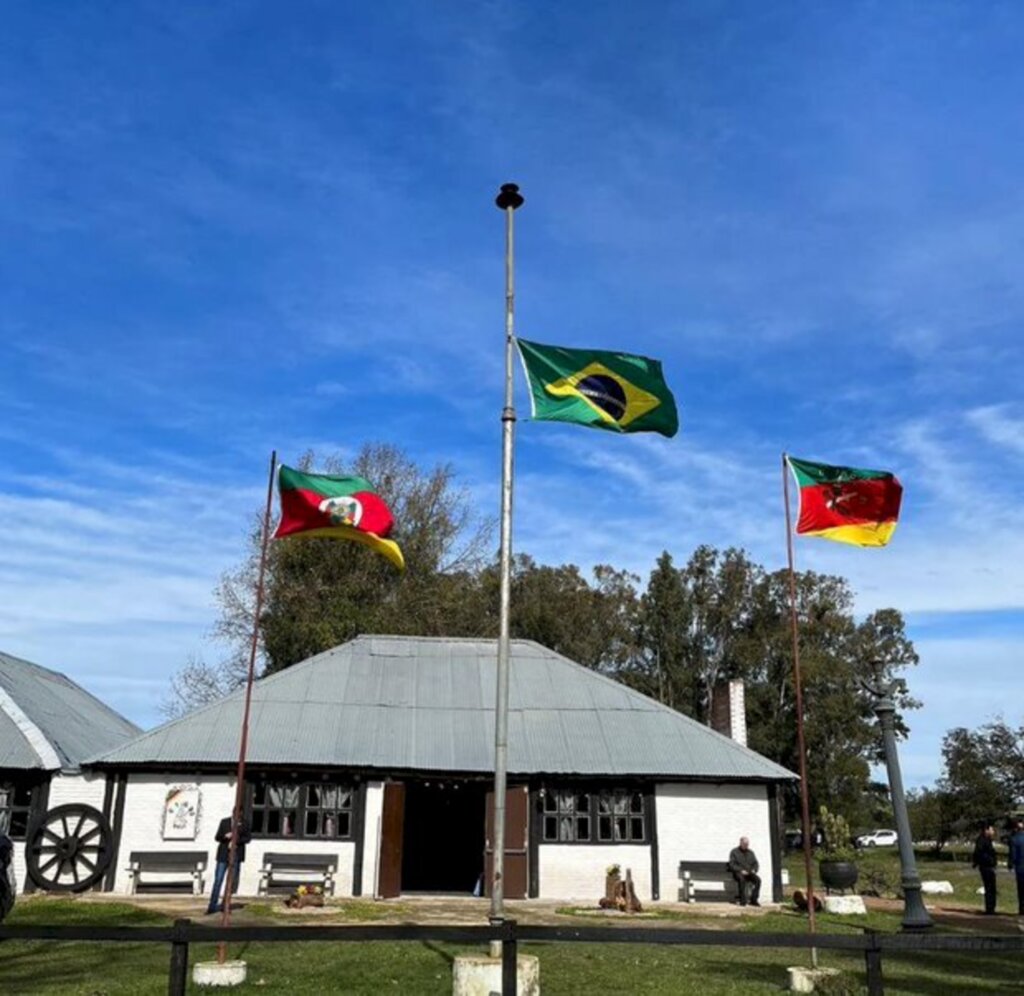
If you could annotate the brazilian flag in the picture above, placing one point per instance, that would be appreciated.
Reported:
(617, 391)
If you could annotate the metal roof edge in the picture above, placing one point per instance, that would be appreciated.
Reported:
(37, 741)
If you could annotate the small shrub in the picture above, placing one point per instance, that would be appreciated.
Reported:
(882, 881)
(837, 846)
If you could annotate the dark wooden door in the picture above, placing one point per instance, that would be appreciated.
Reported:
(517, 818)
(389, 869)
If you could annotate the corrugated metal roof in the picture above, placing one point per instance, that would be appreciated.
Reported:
(15, 751)
(47, 721)
(410, 703)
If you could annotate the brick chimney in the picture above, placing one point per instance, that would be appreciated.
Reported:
(729, 710)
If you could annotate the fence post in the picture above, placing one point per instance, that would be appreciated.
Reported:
(177, 979)
(509, 960)
(873, 963)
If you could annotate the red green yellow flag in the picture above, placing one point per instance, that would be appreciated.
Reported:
(336, 507)
(846, 504)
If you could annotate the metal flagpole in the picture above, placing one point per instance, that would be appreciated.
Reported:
(508, 200)
(236, 814)
(798, 691)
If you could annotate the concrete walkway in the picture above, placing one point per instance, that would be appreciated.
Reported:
(423, 909)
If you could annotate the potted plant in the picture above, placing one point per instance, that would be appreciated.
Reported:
(306, 895)
(836, 865)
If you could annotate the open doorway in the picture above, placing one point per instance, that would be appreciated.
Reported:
(443, 836)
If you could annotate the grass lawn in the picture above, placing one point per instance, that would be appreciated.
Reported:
(881, 864)
(566, 969)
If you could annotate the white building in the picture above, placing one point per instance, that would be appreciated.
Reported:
(48, 724)
(378, 756)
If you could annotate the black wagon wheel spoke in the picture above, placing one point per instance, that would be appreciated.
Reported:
(69, 848)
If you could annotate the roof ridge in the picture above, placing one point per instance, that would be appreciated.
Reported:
(386, 666)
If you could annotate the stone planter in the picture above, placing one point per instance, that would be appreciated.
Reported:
(838, 874)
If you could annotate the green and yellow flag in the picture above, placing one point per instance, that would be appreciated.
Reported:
(616, 391)
(338, 508)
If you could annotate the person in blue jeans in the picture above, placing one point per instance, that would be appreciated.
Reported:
(223, 838)
(1017, 862)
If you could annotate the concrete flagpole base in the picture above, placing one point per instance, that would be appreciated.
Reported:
(218, 973)
(478, 975)
(803, 980)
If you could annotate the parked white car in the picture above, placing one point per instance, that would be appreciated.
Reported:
(878, 838)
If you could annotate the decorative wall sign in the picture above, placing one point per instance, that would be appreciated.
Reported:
(181, 813)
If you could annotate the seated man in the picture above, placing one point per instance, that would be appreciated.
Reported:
(743, 865)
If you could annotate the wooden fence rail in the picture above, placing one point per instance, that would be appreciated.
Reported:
(183, 933)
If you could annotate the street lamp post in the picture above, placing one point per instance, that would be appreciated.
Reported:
(915, 916)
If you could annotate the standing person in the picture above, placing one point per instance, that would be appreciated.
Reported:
(743, 865)
(984, 859)
(223, 838)
(1017, 862)
(8, 885)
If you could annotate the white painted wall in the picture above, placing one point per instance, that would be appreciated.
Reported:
(143, 816)
(704, 822)
(577, 871)
(84, 787)
(141, 827)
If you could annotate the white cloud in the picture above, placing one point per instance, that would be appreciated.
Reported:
(999, 427)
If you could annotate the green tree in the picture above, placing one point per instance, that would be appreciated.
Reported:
(979, 778)
(590, 622)
(657, 666)
(933, 816)
(692, 628)
(837, 657)
(322, 592)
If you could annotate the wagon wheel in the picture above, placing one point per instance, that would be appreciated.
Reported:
(69, 849)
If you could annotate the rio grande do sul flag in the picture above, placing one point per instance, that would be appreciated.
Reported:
(846, 504)
(621, 392)
(338, 508)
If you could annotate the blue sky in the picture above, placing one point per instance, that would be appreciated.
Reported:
(242, 226)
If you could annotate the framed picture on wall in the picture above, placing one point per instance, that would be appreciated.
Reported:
(181, 813)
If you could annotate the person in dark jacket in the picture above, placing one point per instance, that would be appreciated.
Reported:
(1017, 862)
(7, 882)
(223, 838)
(743, 865)
(984, 859)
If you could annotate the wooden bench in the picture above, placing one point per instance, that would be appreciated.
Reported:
(285, 872)
(187, 865)
(707, 882)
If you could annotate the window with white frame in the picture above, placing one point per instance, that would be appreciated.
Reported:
(310, 810)
(603, 816)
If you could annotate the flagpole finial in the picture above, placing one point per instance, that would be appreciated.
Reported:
(509, 197)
